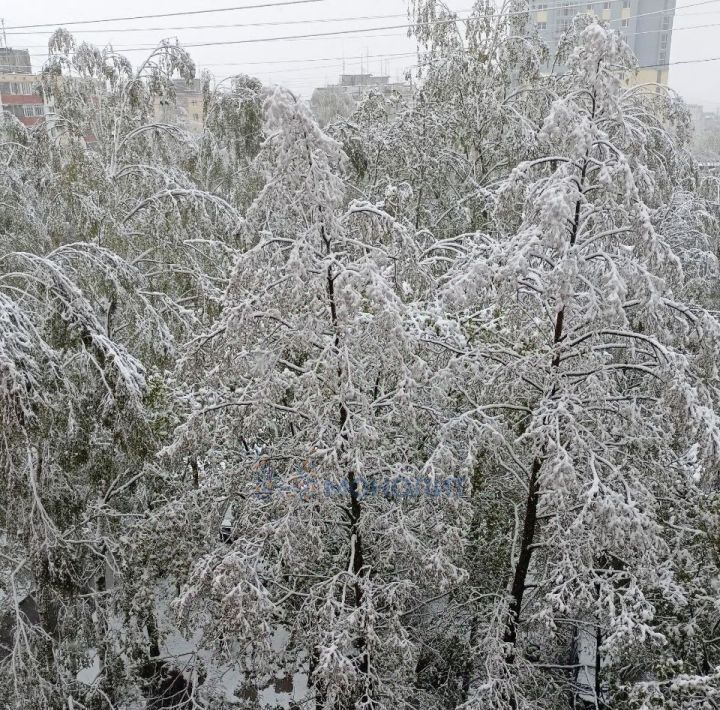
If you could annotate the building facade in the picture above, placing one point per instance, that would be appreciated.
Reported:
(646, 26)
(357, 86)
(19, 88)
(187, 109)
(329, 102)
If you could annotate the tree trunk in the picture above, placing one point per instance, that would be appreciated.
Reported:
(356, 561)
(522, 567)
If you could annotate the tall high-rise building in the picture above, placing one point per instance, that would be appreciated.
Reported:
(645, 24)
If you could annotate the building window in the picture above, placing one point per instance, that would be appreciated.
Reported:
(625, 23)
(542, 26)
(606, 6)
(626, 4)
(666, 23)
(16, 88)
(30, 110)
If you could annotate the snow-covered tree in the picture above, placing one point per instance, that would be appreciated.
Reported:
(464, 129)
(111, 254)
(595, 388)
(317, 412)
(330, 103)
(420, 412)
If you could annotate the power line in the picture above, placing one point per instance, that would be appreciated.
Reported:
(328, 66)
(702, 12)
(675, 29)
(314, 59)
(249, 24)
(311, 35)
(676, 10)
(300, 2)
(229, 26)
(338, 33)
(602, 2)
(680, 61)
(165, 14)
(341, 61)
(666, 11)
(277, 23)
(321, 35)
(335, 33)
(702, 60)
(150, 47)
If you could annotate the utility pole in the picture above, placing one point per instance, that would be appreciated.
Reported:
(3, 41)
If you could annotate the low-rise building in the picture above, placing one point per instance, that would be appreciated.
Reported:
(20, 92)
(357, 86)
(328, 102)
(187, 109)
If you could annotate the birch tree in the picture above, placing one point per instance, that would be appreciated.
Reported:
(94, 304)
(319, 380)
(579, 333)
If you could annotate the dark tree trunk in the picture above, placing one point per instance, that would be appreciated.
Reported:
(522, 567)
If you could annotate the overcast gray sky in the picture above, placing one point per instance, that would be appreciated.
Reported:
(287, 61)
